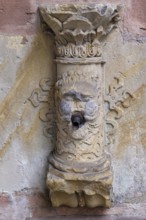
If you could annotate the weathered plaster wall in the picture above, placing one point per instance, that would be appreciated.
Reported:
(25, 59)
(128, 150)
(21, 69)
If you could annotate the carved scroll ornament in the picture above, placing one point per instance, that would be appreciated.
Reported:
(79, 170)
(118, 98)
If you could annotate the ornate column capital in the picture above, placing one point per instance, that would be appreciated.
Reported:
(80, 29)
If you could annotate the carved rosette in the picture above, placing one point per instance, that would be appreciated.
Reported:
(79, 170)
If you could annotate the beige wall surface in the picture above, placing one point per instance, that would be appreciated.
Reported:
(27, 134)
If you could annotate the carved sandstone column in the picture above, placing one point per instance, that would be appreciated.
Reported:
(79, 170)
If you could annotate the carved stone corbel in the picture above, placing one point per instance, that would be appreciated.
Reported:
(79, 171)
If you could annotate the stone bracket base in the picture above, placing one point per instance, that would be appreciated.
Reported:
(61, 198)
(78, 190)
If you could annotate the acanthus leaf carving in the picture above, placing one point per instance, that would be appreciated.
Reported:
(78, 25)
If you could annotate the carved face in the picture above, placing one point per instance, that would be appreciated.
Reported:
(78, 108)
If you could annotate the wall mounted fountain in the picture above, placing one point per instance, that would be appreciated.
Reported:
(79, 169)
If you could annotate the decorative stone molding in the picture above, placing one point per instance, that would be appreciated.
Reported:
(79, 171)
